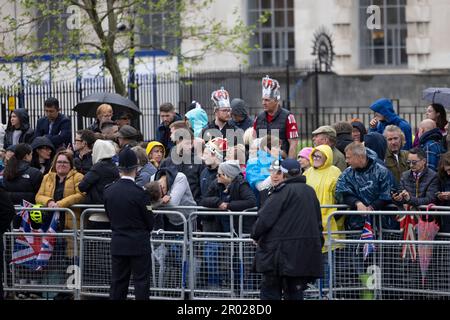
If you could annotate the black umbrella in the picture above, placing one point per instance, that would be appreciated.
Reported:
(88, 106)
(437, 95)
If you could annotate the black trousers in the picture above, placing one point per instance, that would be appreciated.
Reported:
(276, 288)
(1, 267)
(122, 268)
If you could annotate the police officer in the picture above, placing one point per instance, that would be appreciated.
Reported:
(7, 213)
(131, 224)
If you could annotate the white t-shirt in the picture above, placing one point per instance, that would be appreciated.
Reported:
(16, 137)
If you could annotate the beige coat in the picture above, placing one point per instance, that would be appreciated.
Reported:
(72, 195)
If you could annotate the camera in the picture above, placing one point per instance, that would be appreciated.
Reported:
(121, 26)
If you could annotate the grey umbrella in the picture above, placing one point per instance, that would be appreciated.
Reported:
(88, 106)
(437, 95)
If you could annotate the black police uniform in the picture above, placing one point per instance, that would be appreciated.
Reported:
(131, 224)
(7, 213)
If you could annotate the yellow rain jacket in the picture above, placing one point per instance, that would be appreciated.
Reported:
(323, 181)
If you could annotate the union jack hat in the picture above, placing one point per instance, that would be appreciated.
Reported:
(217, 146)
(221, 98)
(270, 88)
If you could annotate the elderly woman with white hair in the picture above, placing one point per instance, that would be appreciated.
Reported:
(102, 173)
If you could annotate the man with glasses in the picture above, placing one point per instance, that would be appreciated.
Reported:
(222, 117)
(419, 185)
(55, 126)
(288, 235)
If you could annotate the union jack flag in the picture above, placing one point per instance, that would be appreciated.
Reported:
(32, 251)
(367, 234)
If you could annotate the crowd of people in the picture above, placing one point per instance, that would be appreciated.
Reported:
(232, 163)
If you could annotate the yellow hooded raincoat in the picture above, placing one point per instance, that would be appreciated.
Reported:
(323, 181)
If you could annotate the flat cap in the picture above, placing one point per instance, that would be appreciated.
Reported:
(326, 130)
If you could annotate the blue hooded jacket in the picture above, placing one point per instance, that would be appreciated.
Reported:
(257, 169)
(384, 107)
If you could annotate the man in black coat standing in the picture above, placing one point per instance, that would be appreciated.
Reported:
(288, 233)
(131, 224)
(55, 126)
(7, 213)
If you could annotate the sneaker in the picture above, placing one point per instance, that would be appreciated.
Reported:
(21, 296)
(35, 295)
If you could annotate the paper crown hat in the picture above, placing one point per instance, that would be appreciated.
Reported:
(217, 146)
(270, 88)
(221, 98)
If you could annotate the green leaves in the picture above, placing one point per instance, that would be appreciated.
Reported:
(41, 28)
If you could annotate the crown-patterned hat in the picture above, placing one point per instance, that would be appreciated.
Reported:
(270, 88)
(217, 146)
(221, 98)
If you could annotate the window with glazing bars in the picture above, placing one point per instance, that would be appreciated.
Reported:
(275, 37)
(384, 47)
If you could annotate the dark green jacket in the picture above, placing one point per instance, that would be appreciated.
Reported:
(397, 168)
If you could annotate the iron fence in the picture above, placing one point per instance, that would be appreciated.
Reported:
(182, 89)
(377, 268)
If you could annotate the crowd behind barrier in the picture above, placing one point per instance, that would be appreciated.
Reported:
(394, 266)
(218, 265)
(42, 262)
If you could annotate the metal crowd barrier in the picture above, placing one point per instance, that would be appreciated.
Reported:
(211, 265)
(41, 264)
(169, 260)
(222, 260)
(172, 277)
(388, 267)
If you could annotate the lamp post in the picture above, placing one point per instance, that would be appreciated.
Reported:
(122, 27)
(131, 64)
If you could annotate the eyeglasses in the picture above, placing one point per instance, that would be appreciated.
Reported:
(412, 162)
(78, 140)
(62, 162)
(317, 157)
(275, 171)
(225, 110)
